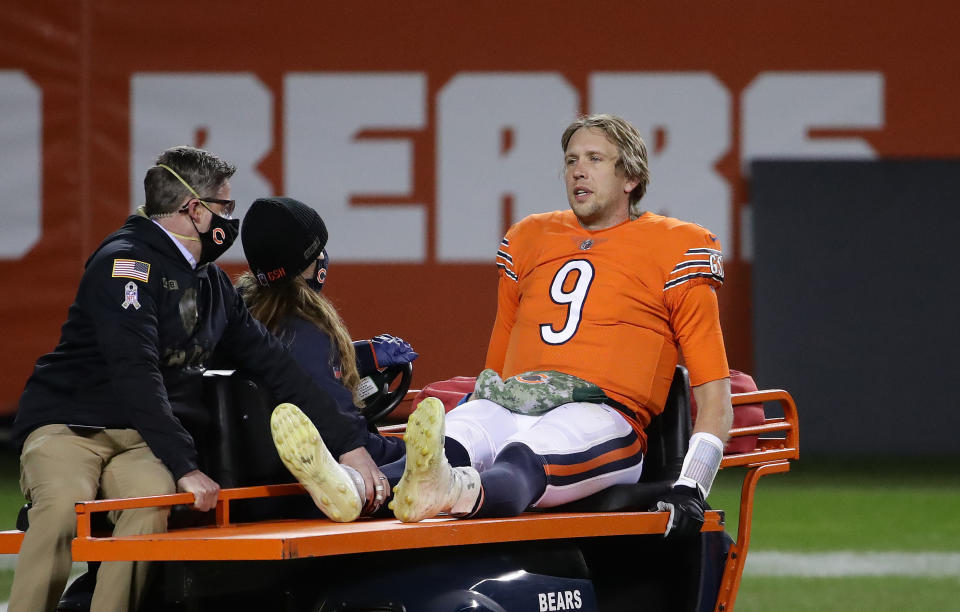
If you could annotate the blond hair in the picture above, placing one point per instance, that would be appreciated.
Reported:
(276, 304)
(631, 151)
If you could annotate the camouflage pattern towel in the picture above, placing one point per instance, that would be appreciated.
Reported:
(536, 393)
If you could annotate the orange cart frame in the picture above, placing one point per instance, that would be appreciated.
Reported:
(302, 538)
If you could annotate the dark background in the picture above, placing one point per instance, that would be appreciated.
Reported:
(855, 301)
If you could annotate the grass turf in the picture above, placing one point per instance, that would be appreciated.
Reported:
(11, 499)
(850, 505)
(848, 594)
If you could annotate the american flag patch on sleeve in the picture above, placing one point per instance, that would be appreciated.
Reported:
(131, 268)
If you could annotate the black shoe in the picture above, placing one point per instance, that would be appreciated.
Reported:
(79, 594)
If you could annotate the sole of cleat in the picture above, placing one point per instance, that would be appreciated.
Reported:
(426, 476)
(306, 456)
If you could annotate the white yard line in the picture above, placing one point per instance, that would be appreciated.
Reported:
(852, 563)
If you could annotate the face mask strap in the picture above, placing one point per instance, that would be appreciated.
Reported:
(204, 237)
(187, 185)
(193, 238)
(180, 178)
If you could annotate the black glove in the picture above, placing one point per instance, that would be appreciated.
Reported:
(686, 506)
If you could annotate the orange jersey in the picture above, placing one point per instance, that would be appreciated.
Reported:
(614, 306)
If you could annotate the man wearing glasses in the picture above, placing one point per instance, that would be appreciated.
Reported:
(105, 412)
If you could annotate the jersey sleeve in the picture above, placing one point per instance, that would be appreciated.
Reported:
(508, 299)
(696, 325)
(701, 263)
(690, 295)
(118, 291)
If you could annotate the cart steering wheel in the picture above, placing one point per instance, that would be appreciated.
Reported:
(380, 400)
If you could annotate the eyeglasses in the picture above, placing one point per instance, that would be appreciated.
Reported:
(228, 206)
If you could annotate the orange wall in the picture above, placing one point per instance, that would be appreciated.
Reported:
(81, 56)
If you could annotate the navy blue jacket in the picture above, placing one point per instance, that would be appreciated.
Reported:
(135, 343)
(312, 348)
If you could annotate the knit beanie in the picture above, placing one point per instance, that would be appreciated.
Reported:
(281, 237)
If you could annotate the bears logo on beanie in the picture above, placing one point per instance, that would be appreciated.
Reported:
(281, 237)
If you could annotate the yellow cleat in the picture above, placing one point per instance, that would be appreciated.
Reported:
(306, 456)
(429, 485)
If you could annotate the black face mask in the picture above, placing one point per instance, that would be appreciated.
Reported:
(319, 275)
(215, 241)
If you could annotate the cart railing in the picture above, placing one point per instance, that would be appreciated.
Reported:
(298, 538)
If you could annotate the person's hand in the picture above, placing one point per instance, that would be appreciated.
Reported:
(377, 487)
(686, 506)
(391, 350)
(204, 489)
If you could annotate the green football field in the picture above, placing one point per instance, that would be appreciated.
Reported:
(875, 510)
(898, 521)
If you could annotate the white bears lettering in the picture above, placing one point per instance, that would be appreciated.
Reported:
(560, 600)
(327, 156)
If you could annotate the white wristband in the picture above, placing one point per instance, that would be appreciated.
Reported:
(701, 462)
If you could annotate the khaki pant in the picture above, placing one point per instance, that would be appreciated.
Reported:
(59, 468)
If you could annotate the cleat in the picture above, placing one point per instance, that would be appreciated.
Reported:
(306, 456)
(429, 485)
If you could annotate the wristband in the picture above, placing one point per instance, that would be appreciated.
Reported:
(701, 462)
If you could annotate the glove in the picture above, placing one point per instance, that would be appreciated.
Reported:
(391, 351)
(382, 351)
(686, 506)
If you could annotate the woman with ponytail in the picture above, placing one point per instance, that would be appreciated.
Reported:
(283, 240)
